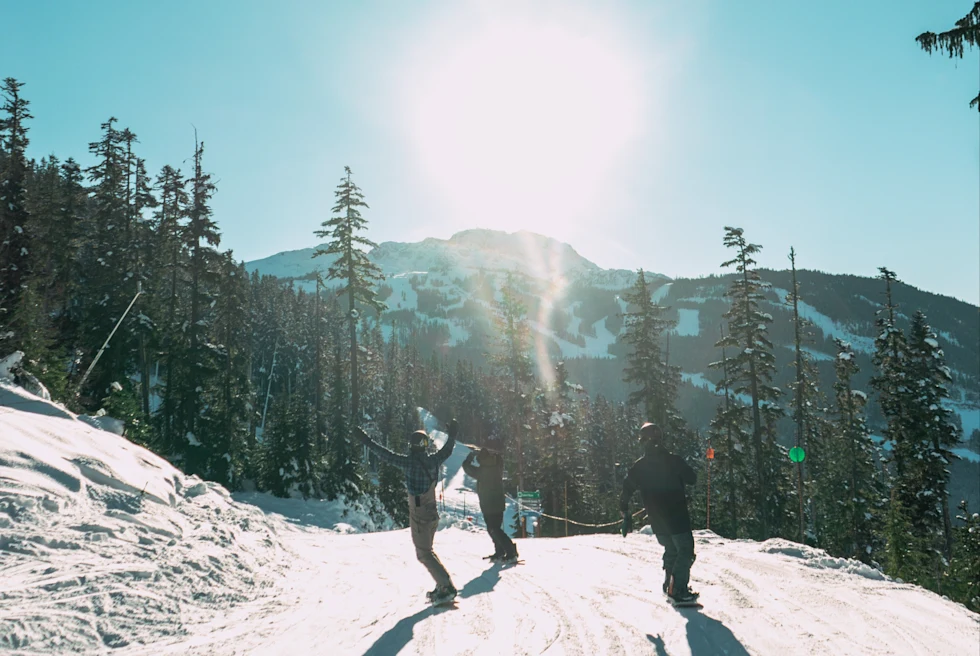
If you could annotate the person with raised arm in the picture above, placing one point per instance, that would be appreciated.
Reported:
(421, 475)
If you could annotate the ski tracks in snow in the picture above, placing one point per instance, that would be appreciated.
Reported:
(364, 595)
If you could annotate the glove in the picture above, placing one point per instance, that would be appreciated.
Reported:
(452, 428)
(470, 456)
(627, 523)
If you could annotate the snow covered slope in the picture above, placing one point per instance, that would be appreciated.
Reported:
(105, 548)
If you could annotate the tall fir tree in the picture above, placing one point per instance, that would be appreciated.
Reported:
(852, 492)
(512, 360)
(109, 280)
(644, 326)
(732, 485)
(359, 275)
(931, 430)
(15, 246)
(751, 369)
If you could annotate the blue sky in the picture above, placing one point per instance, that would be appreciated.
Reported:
(822, 127)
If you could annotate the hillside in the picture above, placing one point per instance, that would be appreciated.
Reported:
(107, 549)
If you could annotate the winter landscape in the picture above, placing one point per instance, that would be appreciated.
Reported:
(515, 308)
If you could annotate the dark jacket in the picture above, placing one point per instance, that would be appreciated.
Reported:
(489, 483)
(660, 477)
(421, 469)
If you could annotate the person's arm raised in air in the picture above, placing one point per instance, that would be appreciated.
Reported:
(384, 454)
(447, 448)
(472, 470)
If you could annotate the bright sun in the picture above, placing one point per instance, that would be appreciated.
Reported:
(520, 125)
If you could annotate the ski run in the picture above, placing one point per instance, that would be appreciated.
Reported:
(106, 548)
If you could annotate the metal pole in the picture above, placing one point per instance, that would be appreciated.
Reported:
(566, 509)
(139, 290)
(268, 391)
(709, 496)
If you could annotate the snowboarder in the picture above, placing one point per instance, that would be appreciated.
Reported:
(421, 474)
(488, 470)
(660, 477)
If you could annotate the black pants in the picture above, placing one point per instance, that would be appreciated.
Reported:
(502, 543)
(678, 558)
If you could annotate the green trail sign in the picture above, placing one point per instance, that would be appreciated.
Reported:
(536, 494)
(796, 454)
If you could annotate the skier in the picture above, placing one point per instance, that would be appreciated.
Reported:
(488, 470)
(421, 474)
(660, 477)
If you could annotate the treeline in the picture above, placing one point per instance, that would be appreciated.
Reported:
(247, 381)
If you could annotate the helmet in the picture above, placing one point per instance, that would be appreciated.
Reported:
(494, 443)
(650, 434)
(419, 440)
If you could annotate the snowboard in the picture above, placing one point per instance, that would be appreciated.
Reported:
(687, 604)
(444, 603)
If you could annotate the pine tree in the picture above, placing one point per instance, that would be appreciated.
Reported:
(15, 246)
(351, 265)
(109, 282)
(751, 369)
(806, 401)
(171, 256)
(513, 362)
(931, 429)
(644, 328)
(966, 33)
(964, 573)
(233, 410)
(851, 490)
(201, 237)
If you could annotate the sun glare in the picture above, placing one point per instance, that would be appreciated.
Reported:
(520, 125)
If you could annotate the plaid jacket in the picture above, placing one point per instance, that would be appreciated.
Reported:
(421, 469)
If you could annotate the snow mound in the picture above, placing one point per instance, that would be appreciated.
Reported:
(339, 516)
(104, 544)
(819, 559)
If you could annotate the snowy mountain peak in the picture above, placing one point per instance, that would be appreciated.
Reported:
(470, 251)
(464, 254)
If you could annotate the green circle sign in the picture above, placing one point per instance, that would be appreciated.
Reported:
(796, 454)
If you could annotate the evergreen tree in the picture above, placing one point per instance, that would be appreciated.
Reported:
(965, 566)
(966, 33)
(751, 369)
(732, 484)
(646, 369)
(201, 237)
(109, 281)
(15, 246)
(233, 410)
(806, 402)
(166, 286)
(351, 265)
(931, 431)
(513, 362)
(852, 491)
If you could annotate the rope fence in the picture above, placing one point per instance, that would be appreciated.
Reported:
(572, 521)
